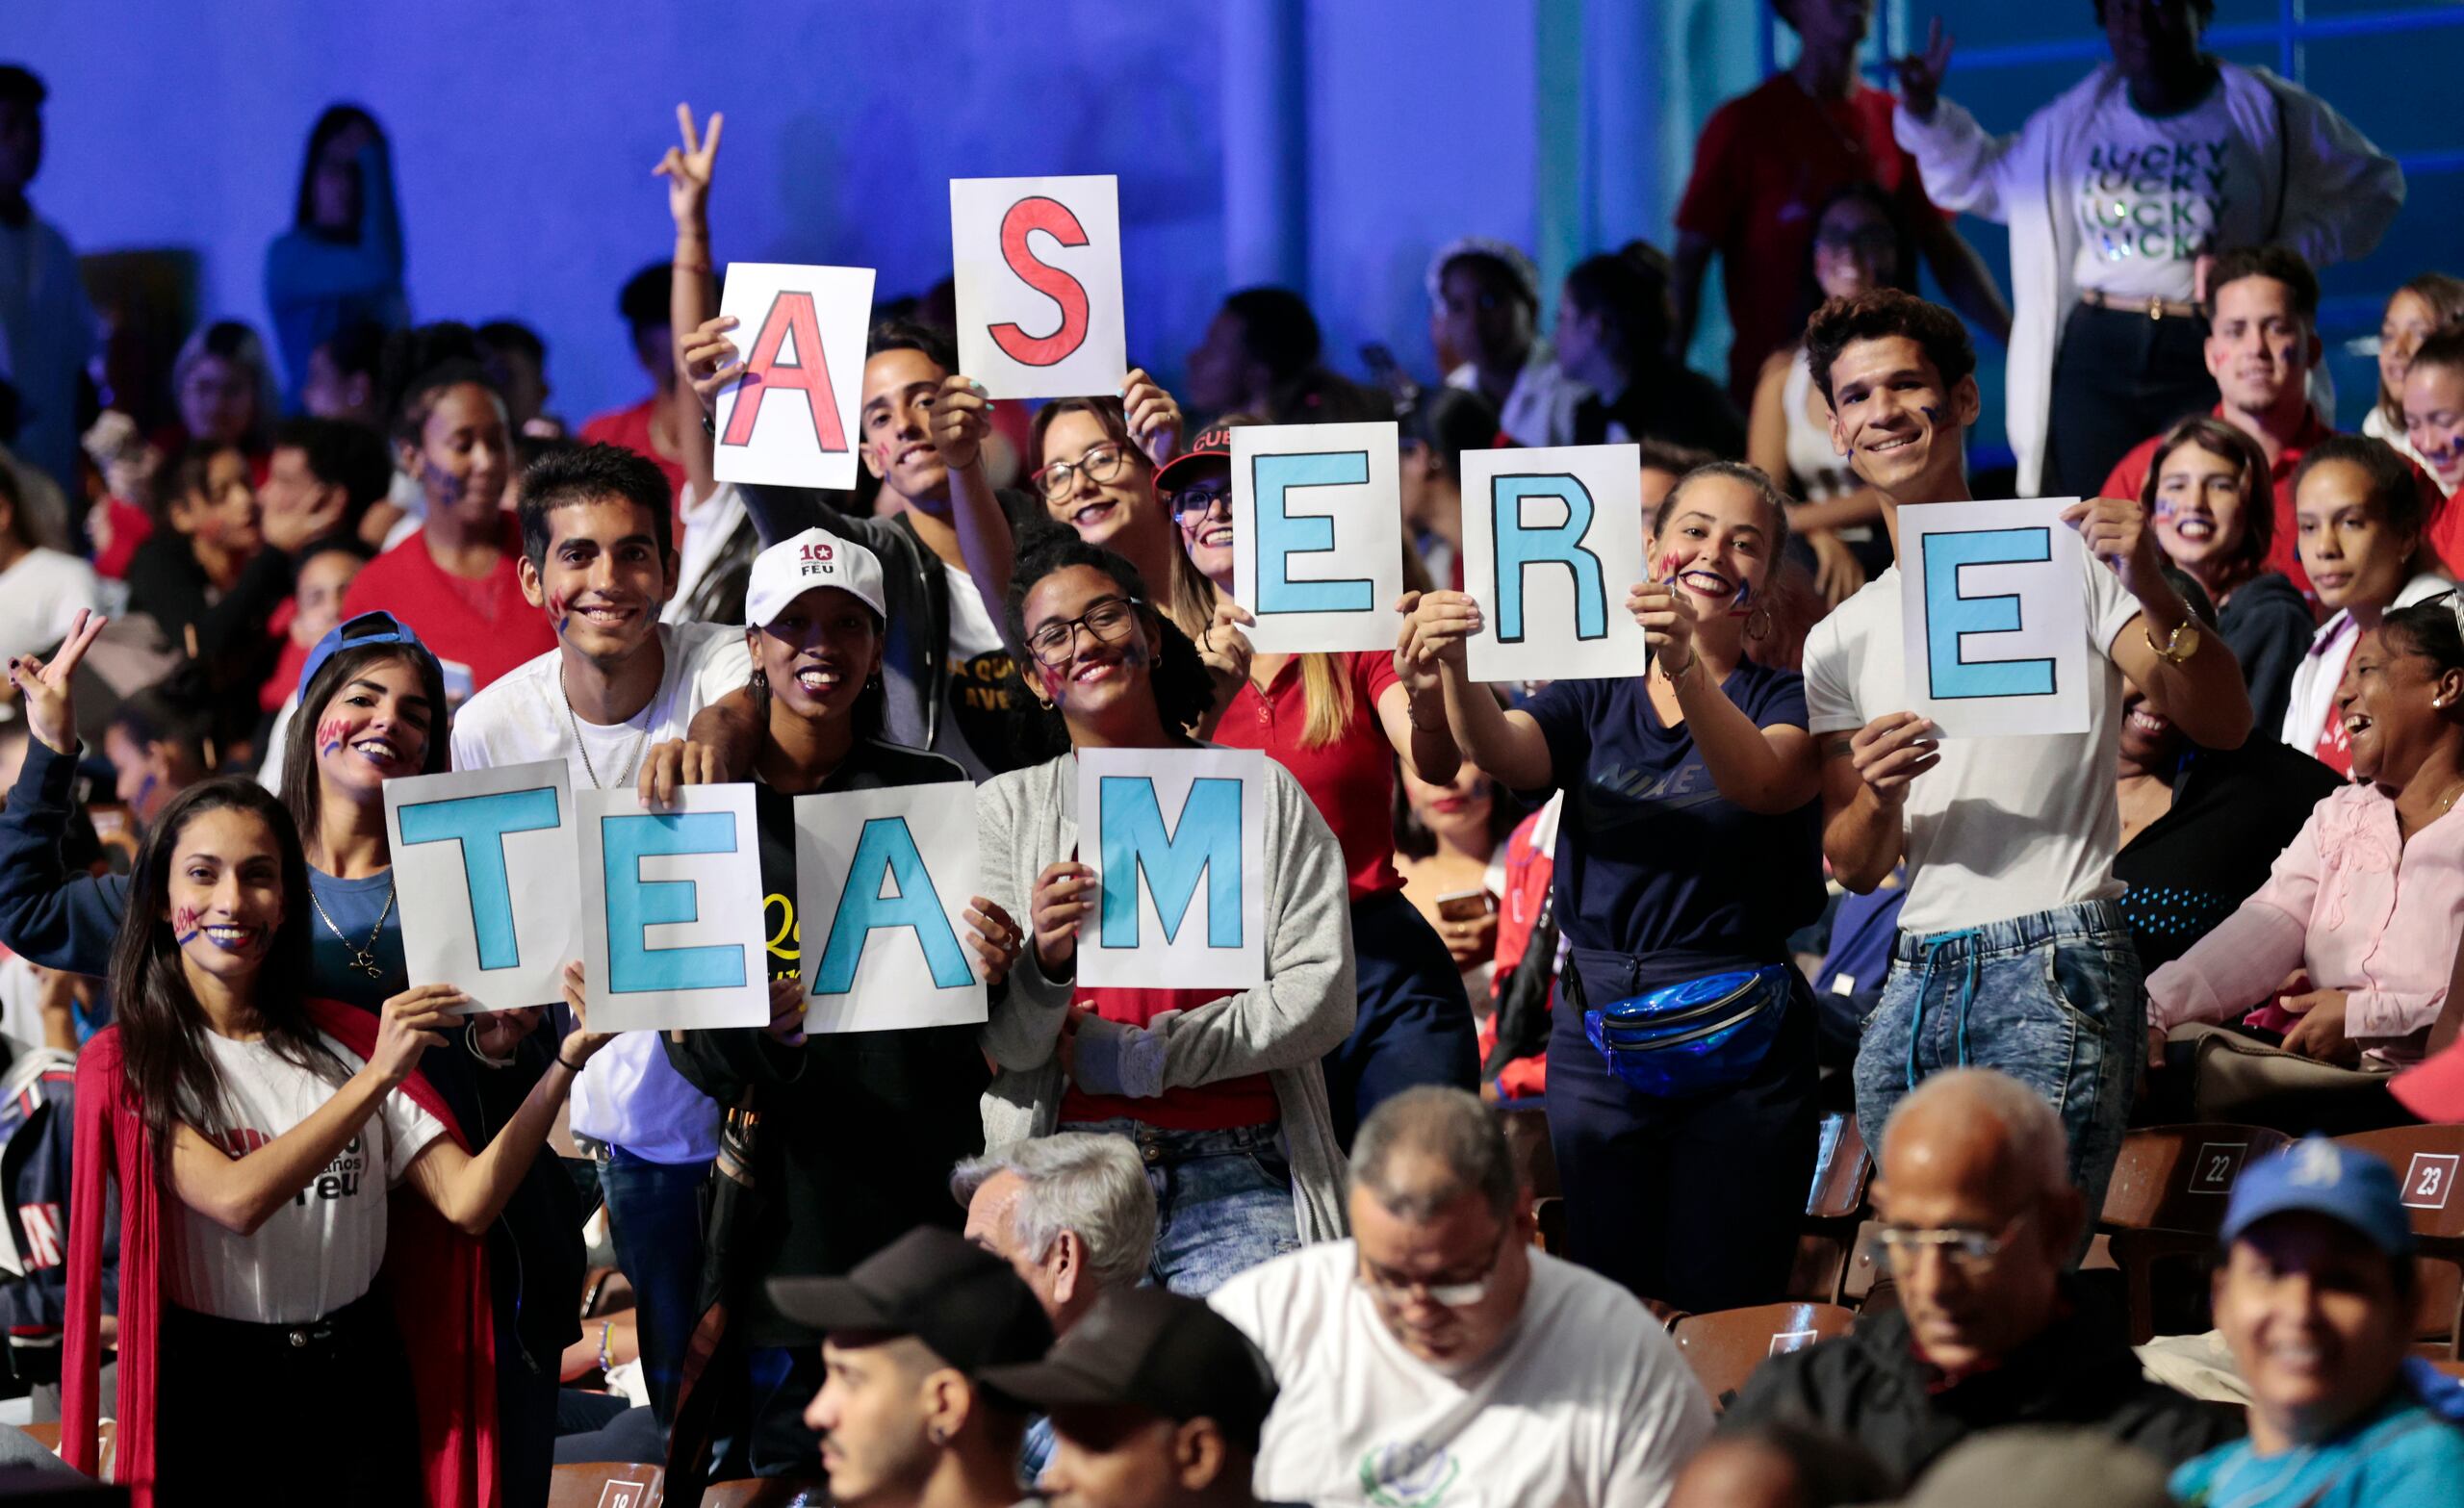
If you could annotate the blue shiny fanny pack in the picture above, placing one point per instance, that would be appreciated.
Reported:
(1693, 1037)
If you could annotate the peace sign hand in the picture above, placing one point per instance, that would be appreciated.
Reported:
(49, 716)
(1921, 75)
(688, 169)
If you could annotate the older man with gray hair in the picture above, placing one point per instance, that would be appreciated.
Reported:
(1073, 1212)
(1979, 1221)
(1437, 1343)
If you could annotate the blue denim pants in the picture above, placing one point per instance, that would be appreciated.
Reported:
(2053, 1000)
(1223, 1200)
(655, 1214)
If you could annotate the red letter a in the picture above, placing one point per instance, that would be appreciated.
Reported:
(790, 313)
(1055, 220)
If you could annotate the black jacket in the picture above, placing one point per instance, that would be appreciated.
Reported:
(852, 1134)
(1870, 1387)
(2267, 626)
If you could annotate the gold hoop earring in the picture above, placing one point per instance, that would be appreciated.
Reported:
(1757, 624)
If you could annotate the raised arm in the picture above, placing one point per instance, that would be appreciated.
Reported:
(1961, 164)
(1508, 745)
(471, 1191)
(2202, 693)
(58, 919)
(240, 1194)
(690, 292)
(1761, 769)
(961, 418)
(1412, 707)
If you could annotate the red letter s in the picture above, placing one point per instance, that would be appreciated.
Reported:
(1054, 219)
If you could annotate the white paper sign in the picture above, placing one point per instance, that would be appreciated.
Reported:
(1038, 267)
(883, 881)
(1552, 541)
(1317, 536)
(671, 911)
(1178, 836)
(481, 860)
(1994, 604)
(791, 420)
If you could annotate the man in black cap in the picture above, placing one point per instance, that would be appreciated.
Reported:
(906, 1335)
(1157, 1402)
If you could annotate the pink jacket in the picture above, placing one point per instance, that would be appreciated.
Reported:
(2354, 904)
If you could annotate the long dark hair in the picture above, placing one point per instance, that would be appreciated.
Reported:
(170, 1072)
(1184, 691)
(301, 785)
(1630, 287)
(337, 120)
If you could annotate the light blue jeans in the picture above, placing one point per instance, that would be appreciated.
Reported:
(2053, 1000)
(1223, 1200)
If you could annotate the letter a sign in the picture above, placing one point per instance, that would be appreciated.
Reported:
(791, 420)
(1037, 262)
(1177, 838)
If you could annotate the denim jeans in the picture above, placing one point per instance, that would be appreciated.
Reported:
(1223, 1200)
(655, 1214)
(2053, 1000)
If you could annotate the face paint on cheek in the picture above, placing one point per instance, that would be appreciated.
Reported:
(445, 487)
(1668, 568)
(185, 925)
(1932, 414)
(1054, 679)
(556, 613)
(330, 734)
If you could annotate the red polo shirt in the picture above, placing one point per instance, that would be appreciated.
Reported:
(479, 629)
(1351, 781)
(2284, 554)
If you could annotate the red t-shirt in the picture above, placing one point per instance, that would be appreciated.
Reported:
(1765, 166)
(1528, 873)
(1351, 781)
(1227, 1102)
(630, 427)
(2284, 552)
(285, 678)
(479, 629)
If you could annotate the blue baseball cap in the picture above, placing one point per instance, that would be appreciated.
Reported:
(2316, 1176)
(366, 629)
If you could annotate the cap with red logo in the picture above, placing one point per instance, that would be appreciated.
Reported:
(816, 557)
(1211, 446)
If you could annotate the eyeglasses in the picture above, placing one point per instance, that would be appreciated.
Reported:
(1110, 620)
(1101, 464)
(1962, 1247)
(1445, 1295)
(1199, 501)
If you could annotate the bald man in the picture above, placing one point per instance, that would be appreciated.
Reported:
(1978, 1220)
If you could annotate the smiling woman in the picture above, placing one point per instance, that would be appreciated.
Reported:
(2211, 501)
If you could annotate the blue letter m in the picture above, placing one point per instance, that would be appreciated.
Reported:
(1135, 845)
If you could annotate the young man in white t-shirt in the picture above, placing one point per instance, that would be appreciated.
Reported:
(1436, 1357)
(599, 556)
(2012, 952)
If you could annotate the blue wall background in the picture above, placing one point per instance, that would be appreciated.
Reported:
(1328, 144)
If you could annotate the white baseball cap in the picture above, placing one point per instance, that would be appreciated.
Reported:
(816, 557)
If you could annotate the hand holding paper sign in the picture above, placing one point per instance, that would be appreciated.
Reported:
(1892, 750)
(1667, 619)
(580, 1043)
(1226, 650)
(711, 361)
(995, 938)
(961, 418)
(1154, 418)
(1065, 894)
(2115, 531)
(410, 1024)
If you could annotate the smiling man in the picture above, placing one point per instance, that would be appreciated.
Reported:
(1436, 1357)
(1978, 1221)
(599, 557)
(2012, 951)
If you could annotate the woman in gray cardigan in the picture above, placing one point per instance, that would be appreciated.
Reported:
(1222, 1093)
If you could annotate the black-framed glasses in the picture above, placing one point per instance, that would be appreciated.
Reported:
(1110, 619)
(1101, 463)
(1197, 502)
(1445, 1295)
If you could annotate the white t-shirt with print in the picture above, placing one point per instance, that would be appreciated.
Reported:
(2003, 826)
(1585, 1404)
(2154, 194)
(629, 1096)
(321, 1250)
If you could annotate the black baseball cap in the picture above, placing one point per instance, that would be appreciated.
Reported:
(1209, 455)
(965, 1304)
(1160, 1351)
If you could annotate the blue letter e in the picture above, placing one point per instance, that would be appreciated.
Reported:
(1207, 843)
(479, 825)
(1281, 536)
(635, 905)
(886, 850)
(1949, 617)
(1520, 548)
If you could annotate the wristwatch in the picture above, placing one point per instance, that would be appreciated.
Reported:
(2179, 645)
